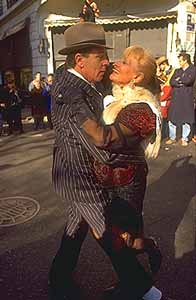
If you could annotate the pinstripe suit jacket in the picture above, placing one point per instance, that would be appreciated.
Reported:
(73, 100)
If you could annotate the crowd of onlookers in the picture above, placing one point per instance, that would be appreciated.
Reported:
(177, 101)
(37, 98)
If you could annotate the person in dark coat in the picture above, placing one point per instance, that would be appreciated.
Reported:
(74, 100)
(39, 105)
(13, 107)
(181, 111)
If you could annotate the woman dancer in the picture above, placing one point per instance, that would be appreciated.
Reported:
(132, 128)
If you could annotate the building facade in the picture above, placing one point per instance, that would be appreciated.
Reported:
(20, 41)
(31, 31)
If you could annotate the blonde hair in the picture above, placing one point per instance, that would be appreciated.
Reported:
(147, 93)
(145, 61)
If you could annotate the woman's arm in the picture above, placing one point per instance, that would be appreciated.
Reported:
(104, 135)
(136, 120)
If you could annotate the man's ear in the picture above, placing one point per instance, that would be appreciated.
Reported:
(79, 60)
(139, 78)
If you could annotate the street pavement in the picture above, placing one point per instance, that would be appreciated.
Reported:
(27, 248)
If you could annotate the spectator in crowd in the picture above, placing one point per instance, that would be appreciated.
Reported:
(165, 70)
(164, 73)
(37, 78)
(13, 107)
(39, 102)
(90, 11)
(181, 111)
(47, 93)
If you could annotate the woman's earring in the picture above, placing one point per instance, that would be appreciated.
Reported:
(132, 84)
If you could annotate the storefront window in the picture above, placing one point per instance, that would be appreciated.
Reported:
(10, 3)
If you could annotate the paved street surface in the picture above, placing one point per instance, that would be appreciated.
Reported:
(27, 247)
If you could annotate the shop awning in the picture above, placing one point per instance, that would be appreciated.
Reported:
(56, 22)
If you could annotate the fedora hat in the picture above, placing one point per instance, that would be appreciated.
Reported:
(83, 35)
(161, 60)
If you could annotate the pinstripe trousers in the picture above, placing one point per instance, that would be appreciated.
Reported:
(135, 282)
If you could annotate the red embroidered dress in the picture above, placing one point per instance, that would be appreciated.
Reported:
(140, 119)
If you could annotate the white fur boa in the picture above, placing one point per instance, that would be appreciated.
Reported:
(123, 96)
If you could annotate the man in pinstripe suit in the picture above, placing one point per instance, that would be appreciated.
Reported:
(74, 100)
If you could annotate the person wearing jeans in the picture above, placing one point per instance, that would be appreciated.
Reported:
(186, 129)
(181, 111)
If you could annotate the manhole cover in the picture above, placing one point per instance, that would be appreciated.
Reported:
(17, 210)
